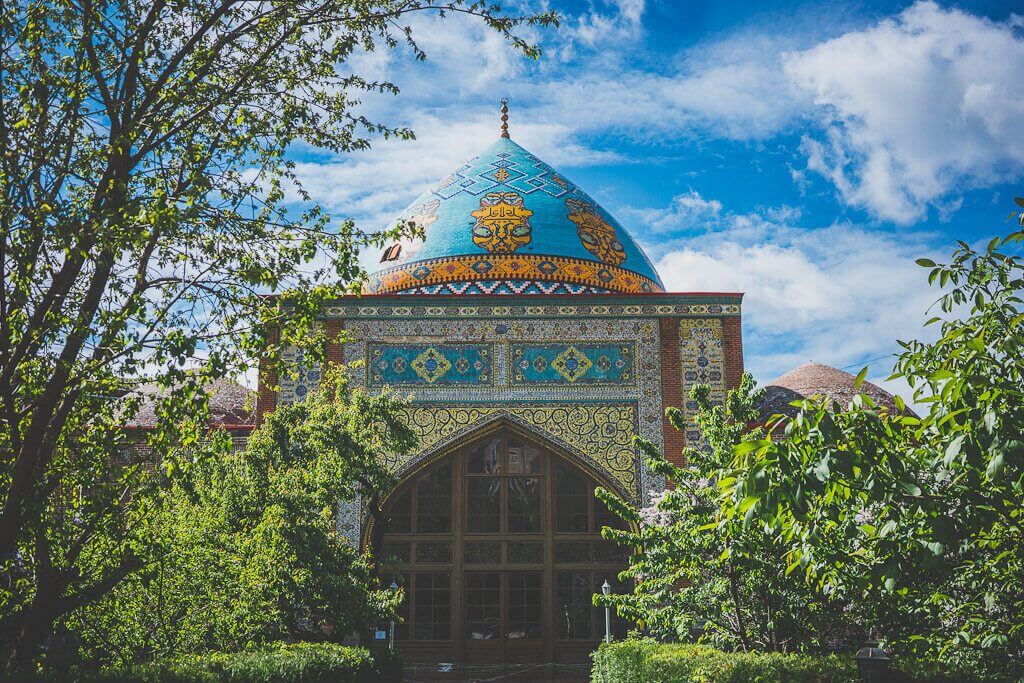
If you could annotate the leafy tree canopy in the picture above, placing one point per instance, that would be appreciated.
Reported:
(143, 220)
(245, 549)
(918, 519)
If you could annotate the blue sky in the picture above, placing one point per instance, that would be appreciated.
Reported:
(804, 153)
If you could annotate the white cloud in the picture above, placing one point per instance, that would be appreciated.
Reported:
(839, 294)
(915, 108)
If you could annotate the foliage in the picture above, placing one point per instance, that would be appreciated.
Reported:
(143, 196)
(245, 549)
(646, 661)
(294, 663)
(917, 518)
(718, 581)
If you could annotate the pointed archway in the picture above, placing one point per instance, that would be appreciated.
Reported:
(497, 541)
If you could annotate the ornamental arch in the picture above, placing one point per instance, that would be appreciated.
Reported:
(496, 540)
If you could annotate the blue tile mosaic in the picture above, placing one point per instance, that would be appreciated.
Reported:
(429, 364)
(575, 363)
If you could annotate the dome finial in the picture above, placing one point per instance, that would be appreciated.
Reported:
(504, 117)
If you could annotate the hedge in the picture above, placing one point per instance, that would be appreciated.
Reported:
(283, 663)
(642, 661)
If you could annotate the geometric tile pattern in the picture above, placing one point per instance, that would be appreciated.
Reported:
(618, 364)
(427, 364)
(578, 363)
(703, 362)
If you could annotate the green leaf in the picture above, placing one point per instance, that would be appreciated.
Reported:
(925, 262)
(746, 503)
(859, 380)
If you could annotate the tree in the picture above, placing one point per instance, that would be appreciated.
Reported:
(700, 577)
(245, 549)
(918, 518)
(143, 180)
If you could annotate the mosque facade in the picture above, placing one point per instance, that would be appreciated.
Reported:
(536, 340)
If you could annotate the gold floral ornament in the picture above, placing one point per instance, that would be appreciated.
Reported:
(502, 223)
(597, 236)
(431, 365)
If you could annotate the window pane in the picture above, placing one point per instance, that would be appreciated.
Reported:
(483, 605)
(523, 505)
(524, 612)
(485, 458)
(520, 552)
(483, 504)
(395, 552)
(571, 493)
(522, 458)
(575, 611)
(605, 517)
(398, 519)
(434, 501)
(482, 552)
(572, 551)
(428, 552)
(432, 598)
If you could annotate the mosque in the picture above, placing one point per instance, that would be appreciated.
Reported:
(536, 340)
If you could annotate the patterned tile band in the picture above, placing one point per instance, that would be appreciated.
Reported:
(577, 363)
(531, 267)
(429, 365)
(703, 360)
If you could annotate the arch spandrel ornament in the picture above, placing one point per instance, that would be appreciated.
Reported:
(599, 437)
(407, 469)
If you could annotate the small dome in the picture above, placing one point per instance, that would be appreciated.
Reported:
(507, 223)
(816, 379)
(231, 404)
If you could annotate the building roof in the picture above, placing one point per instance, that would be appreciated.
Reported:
(507, 223)
(816, 379)
(231, 404)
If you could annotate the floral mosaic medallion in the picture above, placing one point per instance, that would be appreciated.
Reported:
(502, 223)
(571, 364)
(431, 365)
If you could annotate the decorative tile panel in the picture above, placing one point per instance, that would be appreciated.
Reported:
(575, 363)
(304, 377)
(429, 364)
(703, 362)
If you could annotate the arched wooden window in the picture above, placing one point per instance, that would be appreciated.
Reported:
(498, 546)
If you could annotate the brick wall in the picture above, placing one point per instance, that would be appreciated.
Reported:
(333, 330)
(732, 341)
(266, 398)
(671, 387)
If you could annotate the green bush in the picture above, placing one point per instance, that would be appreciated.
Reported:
(642, 661)
(291, 663)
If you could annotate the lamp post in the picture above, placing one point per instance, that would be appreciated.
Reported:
(606, 590)
(391, 635)
(873, 663)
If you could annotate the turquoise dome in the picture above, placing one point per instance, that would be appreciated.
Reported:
(507, 223)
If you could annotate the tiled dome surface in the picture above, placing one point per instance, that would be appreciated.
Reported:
(507, 223)
(816, 379)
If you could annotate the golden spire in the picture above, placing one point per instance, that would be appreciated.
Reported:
(504, 117)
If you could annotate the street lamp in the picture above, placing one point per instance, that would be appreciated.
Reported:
(391, 636)
(606, 590)
(873, 662)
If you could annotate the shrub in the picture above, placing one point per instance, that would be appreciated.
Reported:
(644, 661)
(291, 663)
